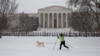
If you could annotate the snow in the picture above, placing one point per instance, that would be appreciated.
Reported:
(26, 46)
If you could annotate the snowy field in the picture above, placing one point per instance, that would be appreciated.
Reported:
(26, 46)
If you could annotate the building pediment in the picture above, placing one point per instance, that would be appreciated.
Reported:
(54, 8)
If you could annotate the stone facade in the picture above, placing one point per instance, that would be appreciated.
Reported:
(53, 17)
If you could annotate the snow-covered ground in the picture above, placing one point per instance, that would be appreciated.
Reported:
(26, 46)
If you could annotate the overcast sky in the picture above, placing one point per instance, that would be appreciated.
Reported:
(32, 6)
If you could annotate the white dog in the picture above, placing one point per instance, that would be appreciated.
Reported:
(40, 43)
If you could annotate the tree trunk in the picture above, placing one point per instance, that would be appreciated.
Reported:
(0, 33)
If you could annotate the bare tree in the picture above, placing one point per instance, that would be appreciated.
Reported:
(7, 8)
(81, 21)
(27, 23)
(92, 7)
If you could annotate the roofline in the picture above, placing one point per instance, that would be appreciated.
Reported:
(55, 5)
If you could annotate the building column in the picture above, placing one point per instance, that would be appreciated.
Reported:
(48, 20)
(43, 20)
(66, 17)
(62, 20)
(39, 19)
(52, 20)
(57, 17)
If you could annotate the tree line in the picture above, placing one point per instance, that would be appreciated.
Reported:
(86, 16)
(15, 22)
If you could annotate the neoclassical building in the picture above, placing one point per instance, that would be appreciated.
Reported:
(53, 17)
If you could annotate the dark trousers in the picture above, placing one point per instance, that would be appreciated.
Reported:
(62, 43)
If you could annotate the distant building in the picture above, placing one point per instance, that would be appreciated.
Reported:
(53, 17)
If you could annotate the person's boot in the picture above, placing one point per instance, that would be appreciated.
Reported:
(68, 48)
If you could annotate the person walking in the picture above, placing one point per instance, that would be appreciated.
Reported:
(62, 41)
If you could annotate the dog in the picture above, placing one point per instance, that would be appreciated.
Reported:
(40, 43)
